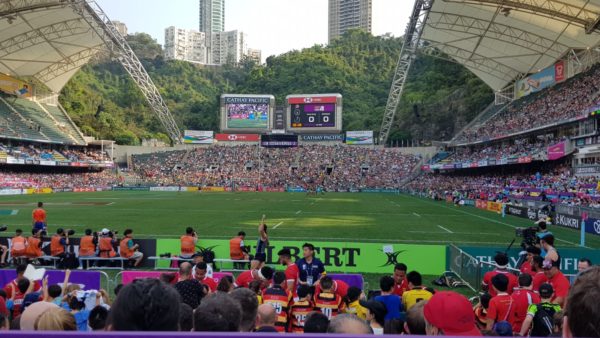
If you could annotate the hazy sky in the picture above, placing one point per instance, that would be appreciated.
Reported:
(274, 26)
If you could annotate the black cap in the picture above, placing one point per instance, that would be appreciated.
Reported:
(378, 309)
(546, 290)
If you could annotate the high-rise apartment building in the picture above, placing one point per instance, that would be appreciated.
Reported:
(349, 14)
(186, 45)
(212, 16)
(227, 47)
(255, 54)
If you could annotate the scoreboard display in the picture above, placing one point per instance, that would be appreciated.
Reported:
(314, 113)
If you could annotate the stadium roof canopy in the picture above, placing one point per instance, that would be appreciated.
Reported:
(48, 40)
(502, 40)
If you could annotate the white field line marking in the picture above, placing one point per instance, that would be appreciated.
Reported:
(497, 222)
(448, 231)
(298, 212)
(277, 225)
(414, 213)
(443, 232)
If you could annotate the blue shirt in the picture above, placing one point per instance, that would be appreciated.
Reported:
(314, 269)
(393, 304)
(81, 318)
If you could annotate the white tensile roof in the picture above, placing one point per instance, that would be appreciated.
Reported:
(45, 39)
(501, 40)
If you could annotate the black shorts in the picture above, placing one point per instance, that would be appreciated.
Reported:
(261, 257)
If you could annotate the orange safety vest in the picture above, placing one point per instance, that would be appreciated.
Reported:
(33, 248)
(106, 247)
(39, 215)
(235, 251)
(188, 247)
(125, 251)
(55, 247)
(86, 246)
(18, 246)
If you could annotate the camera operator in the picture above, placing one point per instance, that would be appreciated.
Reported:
(188, 243)
(87, 246)
(106, 243)
(59, 242)
(130, 250)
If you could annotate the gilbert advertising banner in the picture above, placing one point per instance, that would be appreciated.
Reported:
(340, 256)
(15, 87)
(359, 137)
(198, 137)
(544, 79)
(237, 137)
(556, 151)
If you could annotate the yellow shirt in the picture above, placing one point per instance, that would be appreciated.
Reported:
(355, 309)
(412, 297)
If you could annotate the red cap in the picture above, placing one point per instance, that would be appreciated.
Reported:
(452, 313)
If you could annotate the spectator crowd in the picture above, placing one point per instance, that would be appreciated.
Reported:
(332, 168)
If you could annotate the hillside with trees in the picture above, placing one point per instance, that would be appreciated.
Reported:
(105, 102)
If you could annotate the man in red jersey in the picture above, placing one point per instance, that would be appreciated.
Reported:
(328, 302)
(400, 281)
(539, 277)
(13, 285)
(280, 298)
(245, 278)
(201, 276)
(523, 297)
(526, 266)
(501, 269)
(291, 270)
(502, 306)
(340, 288)
(559, 282)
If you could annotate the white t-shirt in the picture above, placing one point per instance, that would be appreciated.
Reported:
(377, 331)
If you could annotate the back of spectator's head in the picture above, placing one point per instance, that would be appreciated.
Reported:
(326, 283)
(525, 280)
(56, 319)
(225, 284)
(60, 231)
(97, 319)
(185, 269)
(127, 232)
(242, 233)
(18, 232)
(386, 283)
(266, 272)
(503, 329)
(117, 289)
(249, 304)
(40, 204)
(393, 326)
(348, 324)
(415, 322)
(266, 315)
(534, 250)
(21, 269)
(189, 231)
(353, 294)
(146, 305)
(500, 282)
(414, 278)
(549, 239)
(538, 261)
(23, 285)
(376, 309)
(168, 278)
(88, 232)
(218, 313)
(316, 322)
(29, 317)
(582, 313)
(76, 304)
(501, 259)
(279, 278)
(255, 286)
(186, 318)
(303, 291)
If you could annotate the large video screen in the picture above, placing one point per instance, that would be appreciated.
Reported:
(316, 112)
(247, 112)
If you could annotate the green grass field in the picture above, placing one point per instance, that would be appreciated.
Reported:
(247, 123)
(335, 216)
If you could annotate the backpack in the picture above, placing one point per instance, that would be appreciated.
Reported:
(543, 321)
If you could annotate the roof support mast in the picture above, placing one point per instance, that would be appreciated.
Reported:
(99, 21)
(412, 37)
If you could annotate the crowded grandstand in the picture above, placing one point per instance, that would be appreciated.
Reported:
(528, 164)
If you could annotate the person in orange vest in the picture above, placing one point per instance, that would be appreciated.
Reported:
(87, 247)
(188, 243)
(58, 243)
(18, 244)
(237, 250)
(34, 245)
(130, 250)
(106, 244)
(39, 217)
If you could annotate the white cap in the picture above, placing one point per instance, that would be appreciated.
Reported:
(105, 231)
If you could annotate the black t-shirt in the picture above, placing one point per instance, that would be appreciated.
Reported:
(191, 292)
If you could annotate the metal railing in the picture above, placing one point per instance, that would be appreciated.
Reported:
(465, 266)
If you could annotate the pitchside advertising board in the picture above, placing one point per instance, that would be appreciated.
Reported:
(312, 113)
(237, 137)
(322, 138)
(198, 137)
(279, 141)
(340, 256)
(246, 113)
